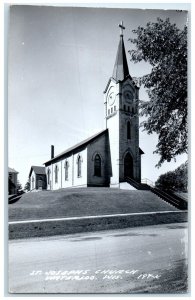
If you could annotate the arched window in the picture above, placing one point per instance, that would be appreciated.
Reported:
(128, 130)
(97, 165)
(48, 176)
(79, 166)
(56, 174)
(66, 169)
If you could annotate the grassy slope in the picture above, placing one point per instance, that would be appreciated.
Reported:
(84, 202)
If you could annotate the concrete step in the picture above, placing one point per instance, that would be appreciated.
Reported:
(137, 185)
(126, 186)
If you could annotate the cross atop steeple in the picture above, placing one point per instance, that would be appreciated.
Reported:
(121, 28)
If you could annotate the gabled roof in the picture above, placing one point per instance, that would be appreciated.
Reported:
(113, 80)
(77, 146)
(10, 170)
(38, 170)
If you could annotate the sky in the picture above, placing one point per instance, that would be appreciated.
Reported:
(60, 60)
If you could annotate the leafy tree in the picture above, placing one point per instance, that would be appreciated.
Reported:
(176, 180)
(164, 46)
(27, 186)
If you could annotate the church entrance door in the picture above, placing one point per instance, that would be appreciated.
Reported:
(128, 165)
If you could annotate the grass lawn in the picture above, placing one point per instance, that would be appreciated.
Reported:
(84, 202)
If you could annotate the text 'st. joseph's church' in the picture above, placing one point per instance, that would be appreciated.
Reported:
(112, 155)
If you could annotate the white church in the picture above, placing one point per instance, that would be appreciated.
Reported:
(112, 155)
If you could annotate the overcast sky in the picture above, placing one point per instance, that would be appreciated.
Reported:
(60, 60)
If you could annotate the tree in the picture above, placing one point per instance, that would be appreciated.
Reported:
(27, 186)
(176, 180)
(164, 46)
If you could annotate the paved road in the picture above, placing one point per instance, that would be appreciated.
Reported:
(151, 259)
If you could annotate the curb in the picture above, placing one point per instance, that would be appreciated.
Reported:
(50, 227)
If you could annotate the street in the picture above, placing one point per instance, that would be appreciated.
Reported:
(151, 259)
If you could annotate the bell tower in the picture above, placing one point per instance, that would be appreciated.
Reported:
(121, 98)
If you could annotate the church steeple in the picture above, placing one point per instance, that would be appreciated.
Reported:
(121, 70)
(121, 98)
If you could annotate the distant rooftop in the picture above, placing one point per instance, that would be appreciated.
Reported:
(10, 170)
(38, 170)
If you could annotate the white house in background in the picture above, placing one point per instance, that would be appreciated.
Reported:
(37, 178)
(111, 155)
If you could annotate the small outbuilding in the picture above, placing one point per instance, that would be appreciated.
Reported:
(37, 178)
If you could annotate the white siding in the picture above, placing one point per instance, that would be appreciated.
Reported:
(49, 184)
(33, 175)
(73, 179)
(68, 182)
(56, 185)
(82, 180)
(112, 124)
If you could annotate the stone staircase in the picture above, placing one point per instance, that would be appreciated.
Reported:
(167, 196)
(137, 185)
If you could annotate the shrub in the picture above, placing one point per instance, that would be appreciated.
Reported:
(176, 180)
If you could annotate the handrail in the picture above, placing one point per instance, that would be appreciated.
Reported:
(148, 182)
(136, 184)
(176, 201)
(165, 195)
(133, 181)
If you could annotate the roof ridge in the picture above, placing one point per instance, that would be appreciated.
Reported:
(37, 166)
(77, 145)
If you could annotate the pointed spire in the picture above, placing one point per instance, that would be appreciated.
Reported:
(121, 70)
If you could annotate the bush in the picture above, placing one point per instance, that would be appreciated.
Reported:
(176, 180)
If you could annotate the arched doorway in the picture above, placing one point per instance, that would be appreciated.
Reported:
(97, 165)
(128, 165)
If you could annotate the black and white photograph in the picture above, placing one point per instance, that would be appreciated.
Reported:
(98, 150)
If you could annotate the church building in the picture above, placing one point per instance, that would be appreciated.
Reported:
(107, 158)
